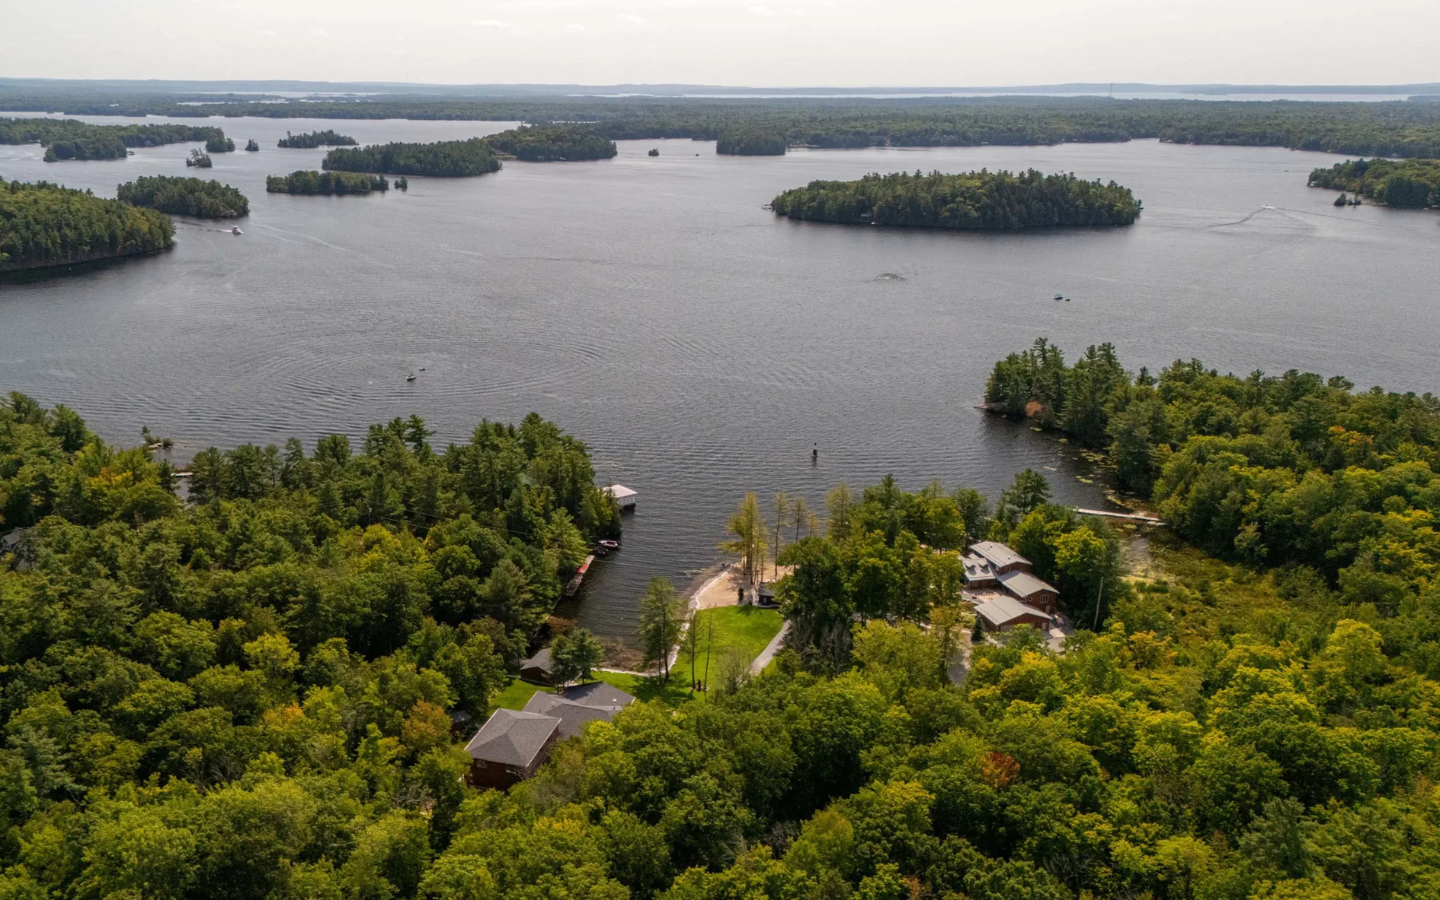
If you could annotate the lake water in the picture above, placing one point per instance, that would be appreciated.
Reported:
(696, 342)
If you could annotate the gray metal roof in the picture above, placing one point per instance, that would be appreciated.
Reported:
(1000, 611)
(512, 738)
(997, 554)
(598, 693)
(1023, 584)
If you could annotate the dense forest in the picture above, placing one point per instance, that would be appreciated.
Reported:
(553, 143)
(449, 159)
(1396, 129)
(1408, 184)
(70, 139)
(248, 696)
(977, 201)
(1294, 471)
(199, 197)
(303, 182)
(750, 142)
(43, 224)
(219, 144)
(326, 138)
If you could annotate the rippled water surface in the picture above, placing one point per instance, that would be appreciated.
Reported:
(698, 344)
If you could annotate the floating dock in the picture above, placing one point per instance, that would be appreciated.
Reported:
(574, 584)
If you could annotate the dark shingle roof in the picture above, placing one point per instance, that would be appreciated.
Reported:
(512, 738)
(572, 716)
(598, 693)
(541, 660)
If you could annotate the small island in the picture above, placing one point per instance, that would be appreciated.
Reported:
(219, 144)
(444, 159)
(553, 143)
(975, 201)
(312, 139)
(312, 182)
(198, 197)
(251, 146)
(199, 159)
(1404, 184)
(44, 225)
(751, 142)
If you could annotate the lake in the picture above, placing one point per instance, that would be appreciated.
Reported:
(697, 343)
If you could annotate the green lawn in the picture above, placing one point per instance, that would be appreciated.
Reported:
(517, 694)
(747, 629)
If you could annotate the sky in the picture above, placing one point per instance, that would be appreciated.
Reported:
(762, 43)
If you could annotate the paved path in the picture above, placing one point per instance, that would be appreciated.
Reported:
(770, 650)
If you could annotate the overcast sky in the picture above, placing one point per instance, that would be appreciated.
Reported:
(739, 42)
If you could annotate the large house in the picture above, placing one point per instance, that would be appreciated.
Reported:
(1005, 592)
(512, 744)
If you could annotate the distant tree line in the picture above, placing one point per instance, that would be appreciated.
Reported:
(310, 139)
(983, 201)
(1409, 184)
(448, 159)
(71, 139)
(1356, 128)
(553, 143)
(199, 197)
(43, 224)
(311, 182)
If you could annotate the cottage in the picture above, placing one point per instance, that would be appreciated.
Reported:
(538, 668)
(509, 747)
(1030, 590)
(1002, 613)
(512, 745)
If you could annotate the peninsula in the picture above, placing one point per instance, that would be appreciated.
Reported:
(43, 224)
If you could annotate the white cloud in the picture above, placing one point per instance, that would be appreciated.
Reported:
(638, 20)
(490, 23)
(574, 26)
(765, 11)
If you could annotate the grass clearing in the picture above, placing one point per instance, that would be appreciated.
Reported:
(735, 632)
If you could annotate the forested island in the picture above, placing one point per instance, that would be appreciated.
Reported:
(252, 694)
(553, 143)
(199, 197)
(446, 159)
(1354, 128)
(252, 146)
(750, 142)
(43, 224)
(199, 159)
(219, 144)
(311, 182)
(70, 139)
(311, 139)
(976, 201)
(1406, 184)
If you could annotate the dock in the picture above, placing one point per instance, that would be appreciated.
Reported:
(574, 584)
(1130, 517)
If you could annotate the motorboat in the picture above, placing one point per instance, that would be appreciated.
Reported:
(609, 545)
(235, 229)
(410, 377)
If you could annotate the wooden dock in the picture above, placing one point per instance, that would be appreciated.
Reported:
(1130, 517)
(574, 584)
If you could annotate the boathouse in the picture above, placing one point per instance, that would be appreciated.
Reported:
(623, 495)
